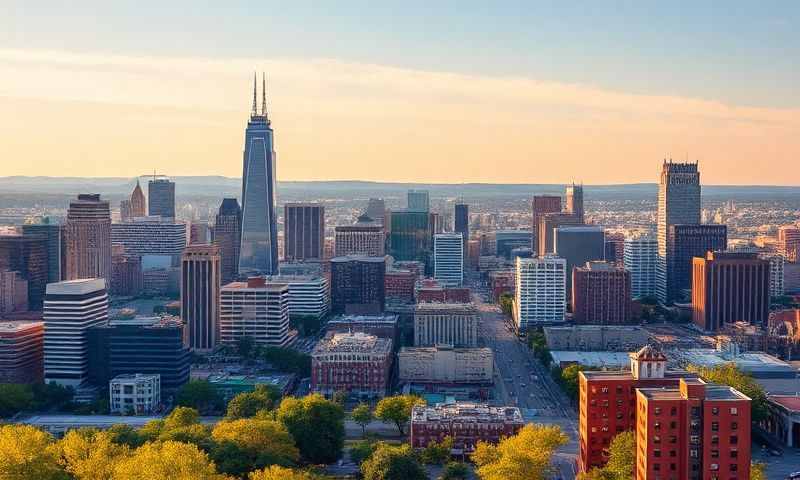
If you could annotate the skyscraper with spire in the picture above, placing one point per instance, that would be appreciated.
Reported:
(138, 203)
(259, 245)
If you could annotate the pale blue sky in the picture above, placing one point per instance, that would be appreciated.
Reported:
(738, 52)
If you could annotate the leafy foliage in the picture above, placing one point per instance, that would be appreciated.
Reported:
(317, 426)
(567, 378)
(437, 453)
(200, 395)
(758, 471)
(397, 409)
(455, 471)
(306, 325)
(247, 404)
(525, 456)
(280, 473)
(362, 415)
(262, 442)
(729, 374)
(621, 460)
(88, 454)
(26, 452)
(167, 461)
(287, 360)
(506, 302)
(361, 451)
(15, 398)
(393, 463)
(538, 344)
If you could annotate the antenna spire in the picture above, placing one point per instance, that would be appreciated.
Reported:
(255, 80)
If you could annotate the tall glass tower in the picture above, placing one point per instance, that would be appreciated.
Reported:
(259, 246)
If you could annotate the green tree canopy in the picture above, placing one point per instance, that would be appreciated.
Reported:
(525, 456)
(397, 409)
(261, 442)
(287, 360)
(393, 463)
(437, 453)
(14, 398)
(281, 473)
(247, 404)
(362, 415)
(27, 452)
(455, 471)
(317, 426)
(200, 395)
(362, 450)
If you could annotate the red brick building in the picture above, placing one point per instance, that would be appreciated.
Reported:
(399, 285)
(357, 363)
(601, 294)
(466, 423)
(501, 282)
(429, 290)
(21, 352)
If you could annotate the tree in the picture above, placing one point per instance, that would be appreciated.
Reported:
(437, 453)
(275, 472)
(393, 463)
(89, 454)
(287, 360)
(27, 452)
(622, 456)
(397, 409)
(506, 304)
(758, 471)
(306, 325)
(455, 471)
(181, 417)
(596, 474)
(362, 415)
(360, 451)
(51, 395)
(729, 374)
(196, 434)
(14, 398)
(568, 377)
(200, 395)
(245, 347)
(317, 426)
(340, 397)
(247, 404)
(260, 443)
(525, 456)
(123, 434)
(166, 461)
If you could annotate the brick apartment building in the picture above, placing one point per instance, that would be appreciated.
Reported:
(466, 423)
(357, 363)
(601, 294)
(399, 285)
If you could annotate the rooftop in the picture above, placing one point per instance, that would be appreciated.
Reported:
(789, 402)
(76, 287)
(592, 359)
(468, 308)
(18, 325)
(466, 413)
(758, 364)
(382, 318)
(353, 342)
(358, 258)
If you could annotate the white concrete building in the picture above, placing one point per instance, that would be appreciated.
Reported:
(255, 309)
(541, 291)
(448, 258)
(308, 294)
(70, 309)
(641, 259)
(445, 364)
(776, 262)
(446, 323)
(134, 394)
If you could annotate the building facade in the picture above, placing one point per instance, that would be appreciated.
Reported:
(729, 287)
(454, 324)
(461, 223)
(575, 201)
(410, 236)
(200, 295)
(27, 255)
(21, 352)
(227, 236)
(365, 237)
(304, 231)
(445, 364)
(578, 245)
(376, 210)
(356, 363)
(161, 198)
(358, 284)
(383, 326)
(541, 291)
(255, 309)
(601, 294)
(641, 258)
(151, 236)
(789, 243)
(138, 204)
(399, 286)
(71, 308)
(541, 206)
(548, 224)
(466, 423)
(309, 295)
(54, 239)
(134, 394)
(684, 242)
(448, 259)
(127, 278)
(87, 238)
(419, 201)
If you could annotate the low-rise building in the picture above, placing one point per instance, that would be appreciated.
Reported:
(429, 290)
(135, 394)
(228, 385)
(445, 364)
(383, 325)
(399, 285)
(466, 423)
(356, 363)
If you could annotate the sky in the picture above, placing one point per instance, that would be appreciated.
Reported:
(496, 92)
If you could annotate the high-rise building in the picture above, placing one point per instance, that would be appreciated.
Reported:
(200, 290)
(448, 258)
(151, 345)
(729, 287)
(71, 308)
(256, 309)
(503, 242)
(309, 295)
(776, 283)
(304, 231)
(199, 232)
(228, 236)
(127, 278)
(418, 201)
(789, 243)
(548, 223)
(461, 223)
(640, 258)
(575, 201)
(410, 236)
(615, 247)
(27, 255)
(259, 245)
(125, 210)
(21, 352)
(541, 291)
(138, 203)
(399, 285)
(678, 204)
(13, 292)
(365, 237)
(55, 239)
(376, 210)
(601, 294)
(454, 324)
(358, 284)
(87, 238)
(540, 206)
(151, 237)
(578, 245)
(684, 242)
(161, 198)
(358, 363)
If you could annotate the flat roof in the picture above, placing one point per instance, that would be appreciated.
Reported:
(758, 364)
(271, 286)
(593, 359)
(789, 402)
(76, 287)
(358, 258)
(11, 326)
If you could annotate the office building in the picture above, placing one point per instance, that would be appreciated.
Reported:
(540, 206)
(684, 242)
(365, 237)
(376, 210)
(161, 198)
(615, 247)
(575, 201)
(21, 351)
(199, 233)
(461, 223)
(601, 294)
(28, 256)
(730, 287)
(578, 245)
(200, 295)
(789, 243)
(776, 284)
(384, 325)
(466, 423)
(71, 308)
(541, 291)
(356, 363)
(134, 394)
(138, 204)
(127, 278)
(503, 242)
(410, 236)
(304, 231)
(227, 236)
(54, 239)
(399, 286)
(13, 292)
(418, 201)
(309, 295)
(255, 309)
(157, 240)
(445, 364)
(147, 345)
(678, 204)
(125, 210)
(259, 246)
(448, 259)
(548, 224)
(87, 238)
(454, 324)
(429, 290)
(358, 284)
(641, 258)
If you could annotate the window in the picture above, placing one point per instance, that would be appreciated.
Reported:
(714, 440)
(734, 411)
(714, 411)
(657, 453)
(734, 425)
(714, 453)
(656, 439)
(658, 410)
(734, 439)
(673, 411)
(693, 453)
(715, 426)
(734, 453)
(656, 467)
(714, 467)
(734, 467)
